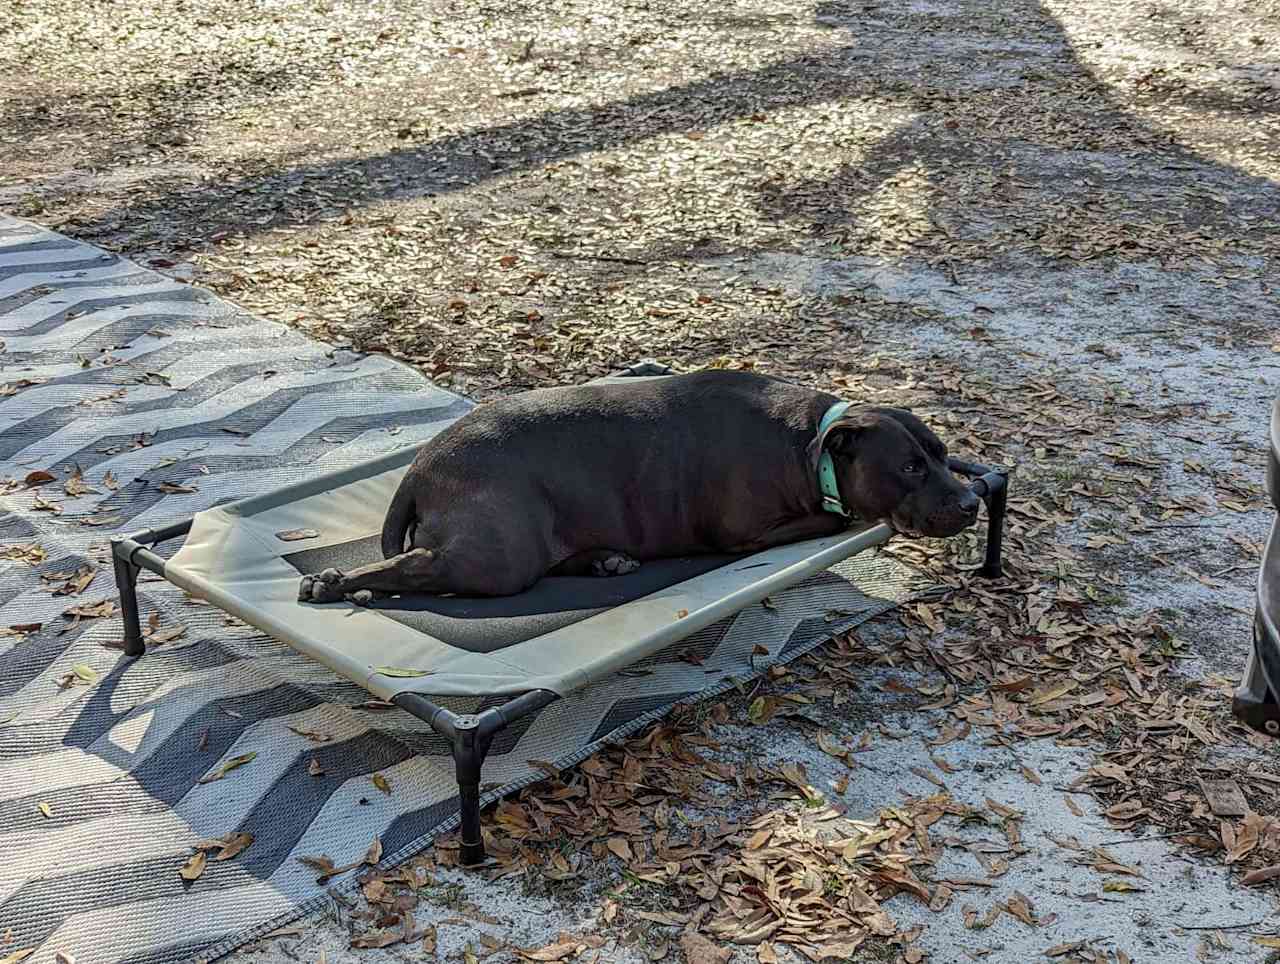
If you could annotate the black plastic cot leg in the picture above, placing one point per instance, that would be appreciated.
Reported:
(127, 585)
(992, 487)
(130, 555)
(470, 747)
(470, 737)
(997, 500)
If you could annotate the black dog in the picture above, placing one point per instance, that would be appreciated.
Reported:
(596, 478)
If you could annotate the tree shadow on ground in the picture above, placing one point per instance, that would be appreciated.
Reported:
(158, 116)
(1099, 176)
(943, 83)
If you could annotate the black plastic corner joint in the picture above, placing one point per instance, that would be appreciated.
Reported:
(997, 499)
(470, 746)
(126, 573)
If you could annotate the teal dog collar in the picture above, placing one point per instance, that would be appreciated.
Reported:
(827, 466)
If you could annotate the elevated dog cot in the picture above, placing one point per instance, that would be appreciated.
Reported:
(527, 650)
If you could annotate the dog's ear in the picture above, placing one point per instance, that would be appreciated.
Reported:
(842, 435)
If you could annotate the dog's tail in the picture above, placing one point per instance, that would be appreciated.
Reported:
(401, 517)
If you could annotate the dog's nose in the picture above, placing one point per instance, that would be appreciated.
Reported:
(969, 503)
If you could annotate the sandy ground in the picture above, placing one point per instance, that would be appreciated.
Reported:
(1049, 227)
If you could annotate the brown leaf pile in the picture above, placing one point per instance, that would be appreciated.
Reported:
(1036, 663)
(802, 875)
(814, 881)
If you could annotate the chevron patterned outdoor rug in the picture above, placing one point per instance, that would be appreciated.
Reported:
(130, 400)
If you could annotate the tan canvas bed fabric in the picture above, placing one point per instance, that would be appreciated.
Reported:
(234, 557)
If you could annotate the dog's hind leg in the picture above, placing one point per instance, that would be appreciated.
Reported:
(596, 562)
(412, 571)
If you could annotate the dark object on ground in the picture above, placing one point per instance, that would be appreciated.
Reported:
(1257, 698)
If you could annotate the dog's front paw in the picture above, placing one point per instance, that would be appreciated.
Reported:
(616, 564)
(323, 587)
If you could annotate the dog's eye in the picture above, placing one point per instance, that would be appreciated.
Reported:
(914, 467)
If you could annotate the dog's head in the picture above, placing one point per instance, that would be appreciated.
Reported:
(890, 466)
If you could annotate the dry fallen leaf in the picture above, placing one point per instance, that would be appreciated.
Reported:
(234, 845)
(194, 866)
(698, 950)
(924, 774)
(40, 504)
(1261, 875)
(558, 951)
(381, 782)
(31, 553)
(85, 673)
(1058, 950)
(312, 735)
(297, 535)
(286, 931)
(1224, 798)
(619, 847)
(75, 583)
(104, 609)
(101, 520)
(1051, 693)
(761, 710)
(232, 764)
(398, 671)
(378, 938)
(1020, 907)
(159, 637)
(75, 486)
(1120, 887)
(323, 865)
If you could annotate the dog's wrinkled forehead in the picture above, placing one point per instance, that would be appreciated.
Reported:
(918, 431)
(890, 432)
